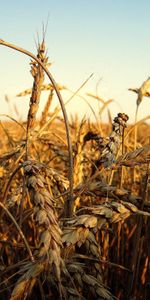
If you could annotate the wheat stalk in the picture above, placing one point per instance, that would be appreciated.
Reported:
(46, 109)
(48, 234)
(2, 42)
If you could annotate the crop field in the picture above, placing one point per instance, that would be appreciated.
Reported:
(74, 199)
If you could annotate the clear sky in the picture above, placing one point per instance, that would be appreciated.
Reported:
(108, 37)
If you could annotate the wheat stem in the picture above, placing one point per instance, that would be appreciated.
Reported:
(12, 46)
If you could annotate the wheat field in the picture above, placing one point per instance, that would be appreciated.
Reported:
(75, 199)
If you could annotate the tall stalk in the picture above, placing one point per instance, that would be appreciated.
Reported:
(12, 46)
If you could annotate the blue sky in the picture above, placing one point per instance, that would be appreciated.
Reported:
(110, 38)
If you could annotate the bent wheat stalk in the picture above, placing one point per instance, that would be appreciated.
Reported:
(12, 46)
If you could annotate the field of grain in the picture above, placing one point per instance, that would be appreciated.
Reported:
(75, 200)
